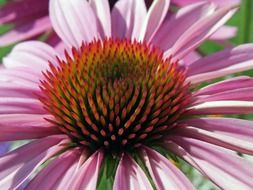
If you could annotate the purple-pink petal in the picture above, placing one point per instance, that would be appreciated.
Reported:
(217, 2)
(154, 19)
(127, 18)
(51, 176)
(244, 94)
(223, 33)
(102, 11)
(183, 19)
(87, 176)
(21, 106)
(16, 166)
(164, 174)
(222, 107)
(20, 11)
(25, 126)
(32, 54)
(73, 21)
(199, 32)
(25, 31)
(226, 85)
(226, 62)
(23, 76)
(8, 89)
(129, 176)
(227, 170)
(235, 134)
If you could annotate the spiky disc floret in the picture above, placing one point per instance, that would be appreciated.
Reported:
(115, 94)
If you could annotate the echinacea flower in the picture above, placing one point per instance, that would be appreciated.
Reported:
(30, 19)
(122, 100)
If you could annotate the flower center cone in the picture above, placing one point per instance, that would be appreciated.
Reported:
(115, 94)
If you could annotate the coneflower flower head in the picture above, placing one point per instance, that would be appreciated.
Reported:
(115, 94)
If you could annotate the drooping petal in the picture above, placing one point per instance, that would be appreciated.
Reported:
(217, 2)
(16, 166)
(87, 176)
(74, 21)
(164, 174)
(235, 134)
(23, 76)
(185, 18)
(18, 11)
(127, 18)
(224, 33)
(129, 176)
(32, 54)
(52, 174)
(191, 57)
(8, 89)
(69, 176)
(102, 10)
(25, 31)
(155, 16)
(226, 170)
(199, 32)
(21, 106)
(25, 126)
(222, 107)
(226, 85)
(240, 94)
(222, 63)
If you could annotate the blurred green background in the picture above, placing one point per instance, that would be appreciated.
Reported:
(243, 20)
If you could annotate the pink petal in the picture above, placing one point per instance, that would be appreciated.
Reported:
(155, 16)
(102, 10)
(222, 63)
(199, 32)
(17, 11)
(25, 126)
(226, 3)
(235, 134)
(8, 89)
(25, 31)
(87, 176)
(244, 94)
(222, 107)
(52, 174)
(73, 21)
(22, 75)
(185, 18)
(129, 176)
(32, 54)
(69, 176)
(164, 174)
(217, 2)
(127, 18)
(225, 32)
(21, 105)
(226, 170)
(16, 166)
(226, 85)
(191, 58)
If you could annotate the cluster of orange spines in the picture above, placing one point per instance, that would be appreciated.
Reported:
(115, 93)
